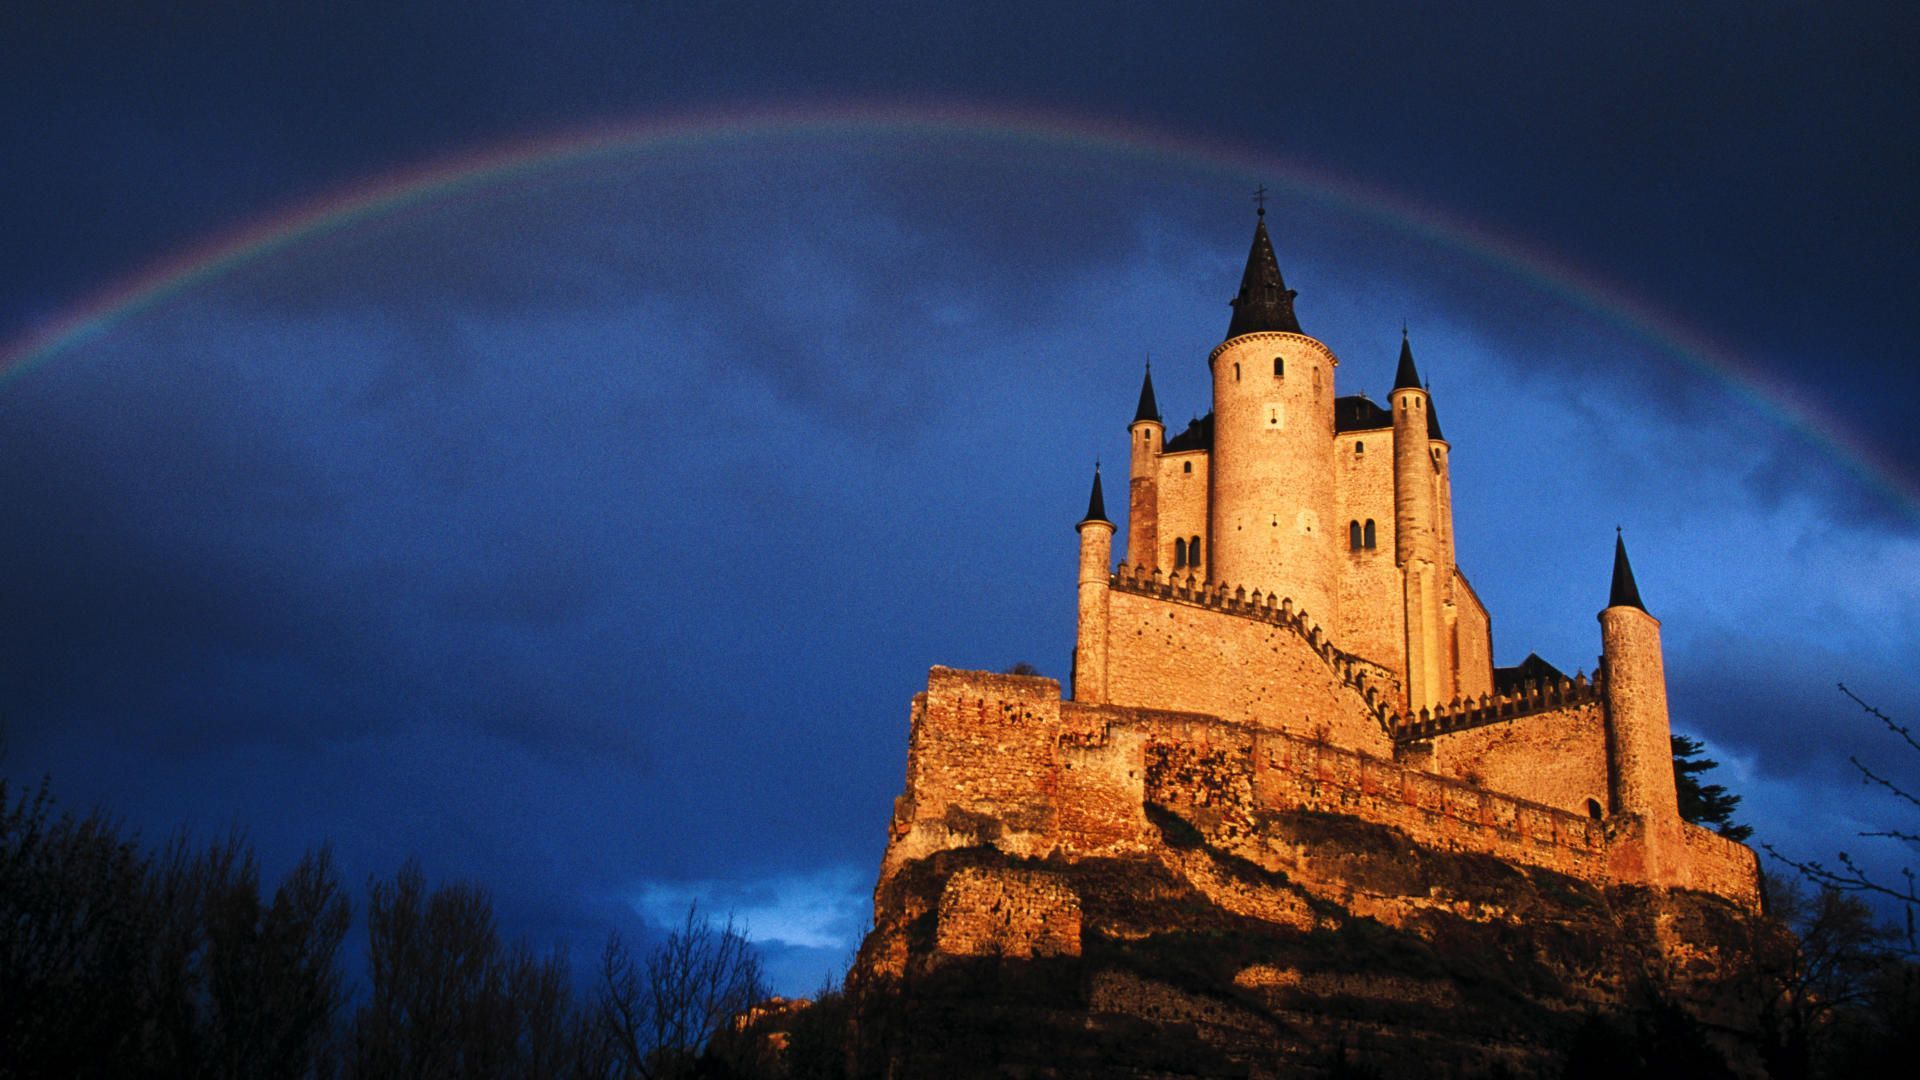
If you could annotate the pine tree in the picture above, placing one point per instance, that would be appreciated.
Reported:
(1704, 804)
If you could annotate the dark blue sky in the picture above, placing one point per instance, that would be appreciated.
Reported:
(586, 533)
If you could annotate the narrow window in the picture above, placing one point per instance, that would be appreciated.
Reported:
(1179, 554)
(1353, 535)
(1193, 553)
(1236, 373)
(1367, 533)
(1189, 466)
(1279, 367)
(1359, 446)
(1593, 809)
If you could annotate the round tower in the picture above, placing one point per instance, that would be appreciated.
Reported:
(1096, 562)
(1271, 512)
(1147, 435)
(1416, 534)
(1639, 744)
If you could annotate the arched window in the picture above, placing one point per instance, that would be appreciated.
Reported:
(1189, 465)
(1279, 367)
(1367, 533)
(1179, 554)
(1593, 809)
(1359, 446)
(1353, 535)
(1193, 553)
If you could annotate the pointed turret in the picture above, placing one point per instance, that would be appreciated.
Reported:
(1625, 592)
(1406, 378)
(1149, 408)
(1265, 302)
(1096, 502)
(1433, 418)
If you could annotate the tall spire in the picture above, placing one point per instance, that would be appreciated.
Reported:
(1149, 408)
(1625, 592)
(1096, 502)
(1406, 378)
(1265, 302)
(1433, 418)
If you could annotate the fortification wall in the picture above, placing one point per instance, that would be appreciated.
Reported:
(1163, 653)
(1472, 640)
(1182, 485)
(1372, 616)
(1000, 761)
(1557, 757)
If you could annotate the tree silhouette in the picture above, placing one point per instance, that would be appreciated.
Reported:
(1705, 804)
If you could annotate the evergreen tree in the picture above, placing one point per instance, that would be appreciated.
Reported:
(1701, 803)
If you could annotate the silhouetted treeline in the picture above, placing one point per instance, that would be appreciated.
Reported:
(118, 962)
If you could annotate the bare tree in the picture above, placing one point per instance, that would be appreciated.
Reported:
(1850, 876)
(663, 1011)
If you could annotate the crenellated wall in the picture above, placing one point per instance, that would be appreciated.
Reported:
(1556, 756)
(1001, 761)
(1168, 643)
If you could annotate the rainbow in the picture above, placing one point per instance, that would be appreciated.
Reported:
(525, 159)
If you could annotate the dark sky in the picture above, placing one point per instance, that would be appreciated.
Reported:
(584, 530)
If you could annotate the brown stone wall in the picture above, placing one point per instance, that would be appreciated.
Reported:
(1175, 656)
(1473, 640)
(1372, 616)
(1182, 508)
(1143, 497)
(1718, 865)
(995, 911)
(1558, 757)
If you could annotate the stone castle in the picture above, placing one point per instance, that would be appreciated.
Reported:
(1286, 649)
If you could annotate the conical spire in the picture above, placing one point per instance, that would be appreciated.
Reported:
(1149, 408)
(1625, 592)
(1433, 418)
(1096, 502)
(1406, 378)
(1265, 302)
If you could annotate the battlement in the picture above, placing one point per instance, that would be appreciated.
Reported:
(1358, 674)
(1530, 698)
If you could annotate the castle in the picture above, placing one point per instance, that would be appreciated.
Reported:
(1285, 715)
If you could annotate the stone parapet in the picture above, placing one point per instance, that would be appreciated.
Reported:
(1529, 698)
(1371, 681)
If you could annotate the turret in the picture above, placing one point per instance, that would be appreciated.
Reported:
(1271, 513)
(1639, 748)
(1415, 544)
(1148, 435)
(1096, 561)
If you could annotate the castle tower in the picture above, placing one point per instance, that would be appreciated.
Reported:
(1271, 515)
(1639, 750)
(1148, 435)
(1416, 542)
(1096, 561)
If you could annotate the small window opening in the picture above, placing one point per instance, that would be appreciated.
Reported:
(1593, 809)
(1193, 553)
(1179, 553)
(1279, 367)
(1188, 466)
(1236, 373)
(1367, 533)
(1359, 446)
(1353, 535)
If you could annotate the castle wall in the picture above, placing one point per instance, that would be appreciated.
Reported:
(1181, 481)
(1472, 641)
(1272, 508)
(1372, 618)
(1180, 657)
(999, 760)
(1557, 758)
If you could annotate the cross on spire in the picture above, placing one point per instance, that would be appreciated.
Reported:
(1260, 200)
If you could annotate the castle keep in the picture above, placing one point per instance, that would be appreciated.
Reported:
(1284, 710)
